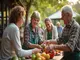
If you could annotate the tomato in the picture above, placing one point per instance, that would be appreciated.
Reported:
(51, 54)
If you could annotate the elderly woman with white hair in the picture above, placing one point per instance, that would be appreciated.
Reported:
(51, 31)
(69, 42)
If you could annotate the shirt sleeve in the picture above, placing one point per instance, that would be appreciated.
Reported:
(15, 36)
(26, 37)
(73, 39)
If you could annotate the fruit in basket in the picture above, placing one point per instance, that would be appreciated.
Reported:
(51, 54)
(38, 54)
(47, 56)
(44, 48)
(14, 58)
(43, 58)
(33, 57)
(43, 54)
(39, 58)
(58, 52)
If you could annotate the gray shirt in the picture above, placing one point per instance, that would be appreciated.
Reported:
(11, 43)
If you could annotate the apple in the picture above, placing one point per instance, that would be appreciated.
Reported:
(43, 54)
(38, 54)
(39, 58)
(33, 57)
(47, 57)
(43, 58)
(14, 58)
(51, 54)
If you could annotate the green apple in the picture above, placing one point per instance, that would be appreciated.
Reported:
(33, 57)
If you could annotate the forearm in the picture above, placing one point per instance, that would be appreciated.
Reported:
(33, 45)
(53, 42)
(24, 53)
(61, 47)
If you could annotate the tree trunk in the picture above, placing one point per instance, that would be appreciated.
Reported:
(27, 14)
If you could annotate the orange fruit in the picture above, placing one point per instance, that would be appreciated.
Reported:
(43, 58)
(43, 54)
(47, 56)
(38, 54)
(39, 58)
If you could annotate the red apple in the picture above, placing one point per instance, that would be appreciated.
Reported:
(51, 54)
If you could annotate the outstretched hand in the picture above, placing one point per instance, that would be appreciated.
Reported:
(36, 50)
(47, 42)
(50, 47)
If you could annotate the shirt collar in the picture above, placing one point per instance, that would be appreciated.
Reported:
(70, 24)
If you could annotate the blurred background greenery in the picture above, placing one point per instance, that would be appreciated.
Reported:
(47, 7)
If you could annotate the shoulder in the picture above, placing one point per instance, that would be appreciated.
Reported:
(54, 27)
(13, 27)
(10, 30)
(27, 26)
(75, 24)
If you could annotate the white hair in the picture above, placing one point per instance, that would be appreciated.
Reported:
(67, 9)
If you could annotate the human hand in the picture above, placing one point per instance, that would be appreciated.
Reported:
(38, 46)
(47, 42)
(50, 47)
(36, 50)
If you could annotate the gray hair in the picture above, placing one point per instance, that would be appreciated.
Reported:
(48, 19)
(67, 9)
(36, 15)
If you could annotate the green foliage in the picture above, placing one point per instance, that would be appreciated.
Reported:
(78, 19)
(45, 7)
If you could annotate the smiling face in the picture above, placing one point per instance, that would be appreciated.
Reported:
(34, 22)
(48, 25)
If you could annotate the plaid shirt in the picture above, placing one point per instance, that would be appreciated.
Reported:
(71, 36)
(31, 37)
